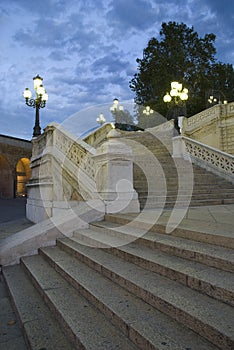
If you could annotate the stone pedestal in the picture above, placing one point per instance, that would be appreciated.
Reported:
(179, 148)
(114, 175)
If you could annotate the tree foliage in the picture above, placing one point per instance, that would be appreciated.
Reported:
(181, 55)
(123, 117)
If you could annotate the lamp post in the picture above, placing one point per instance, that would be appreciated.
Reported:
(38, 102)
(115, 107)
(117, 111)
(213, 100)
(177, 96)
(101, 119)
(148, 110)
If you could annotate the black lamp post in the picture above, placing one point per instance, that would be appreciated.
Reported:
(38, 102)
(215, 98)
(177, 98)
(101, 119)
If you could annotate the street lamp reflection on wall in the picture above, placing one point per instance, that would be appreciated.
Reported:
(176, 98)
(38, 102)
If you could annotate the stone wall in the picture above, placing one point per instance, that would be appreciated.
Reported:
(213, 126)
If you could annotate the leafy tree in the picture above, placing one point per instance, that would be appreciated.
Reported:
(181, 55)
(223, 82)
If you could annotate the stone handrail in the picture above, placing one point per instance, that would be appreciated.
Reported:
(211, 158)
(75, 150)
(73, 157)
(208, 115)
(203, 117)
(98, 135)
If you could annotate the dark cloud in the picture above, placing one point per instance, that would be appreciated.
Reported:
(126, 15)
(42, 7)
(222, 8)
(110, 63)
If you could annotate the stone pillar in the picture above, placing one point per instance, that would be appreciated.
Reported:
(40, 186)
(114, 175)
(179, 148)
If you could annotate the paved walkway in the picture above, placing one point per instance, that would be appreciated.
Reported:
(12, 219)
(12, 216)
(215, 220)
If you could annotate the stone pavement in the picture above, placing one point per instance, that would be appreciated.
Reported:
(216, 219)
(12, 216)
(11, 337)
(12, 219)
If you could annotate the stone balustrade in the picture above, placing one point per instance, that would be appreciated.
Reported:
(67, 169)
(212, 159)
(213, 126)
(97, 136)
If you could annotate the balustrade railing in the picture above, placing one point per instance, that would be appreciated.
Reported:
(220, 162)
(97, 136)
(75, 151)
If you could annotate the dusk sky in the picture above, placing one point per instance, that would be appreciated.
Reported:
(86, 52)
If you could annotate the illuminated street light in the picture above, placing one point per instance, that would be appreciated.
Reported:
(148, 110)
(115, 107)
(177, 97)
(101, 119)
(38, 102)
(213, 100)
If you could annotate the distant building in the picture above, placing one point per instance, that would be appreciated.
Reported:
(15, 154)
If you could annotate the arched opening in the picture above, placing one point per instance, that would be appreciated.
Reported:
(6, 179)
(23, 174)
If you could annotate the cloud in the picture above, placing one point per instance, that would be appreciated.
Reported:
(46, 33)
(42, 7)
(110, 63)
(127, 15)
(86, 50)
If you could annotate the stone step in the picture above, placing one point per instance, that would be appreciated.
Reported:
(173, 179)
(213, 282)
(184, 188)
(114, 235)
(148, 223)
(147, 173)
(208, 280)
(147, 327)
(83, 323)
(151, 196)
(157, 204)
(40, 329)
(204, 315)
(196, 191)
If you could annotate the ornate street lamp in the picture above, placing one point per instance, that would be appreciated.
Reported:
(38, 102)
(148, 110)
(101, 119)
(115, 107)
(213, 100)
(177, 97)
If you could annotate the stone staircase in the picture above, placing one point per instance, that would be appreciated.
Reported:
(113, 286)
(158, 176)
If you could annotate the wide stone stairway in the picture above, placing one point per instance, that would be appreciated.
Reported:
(125, 284)
(161, 180)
